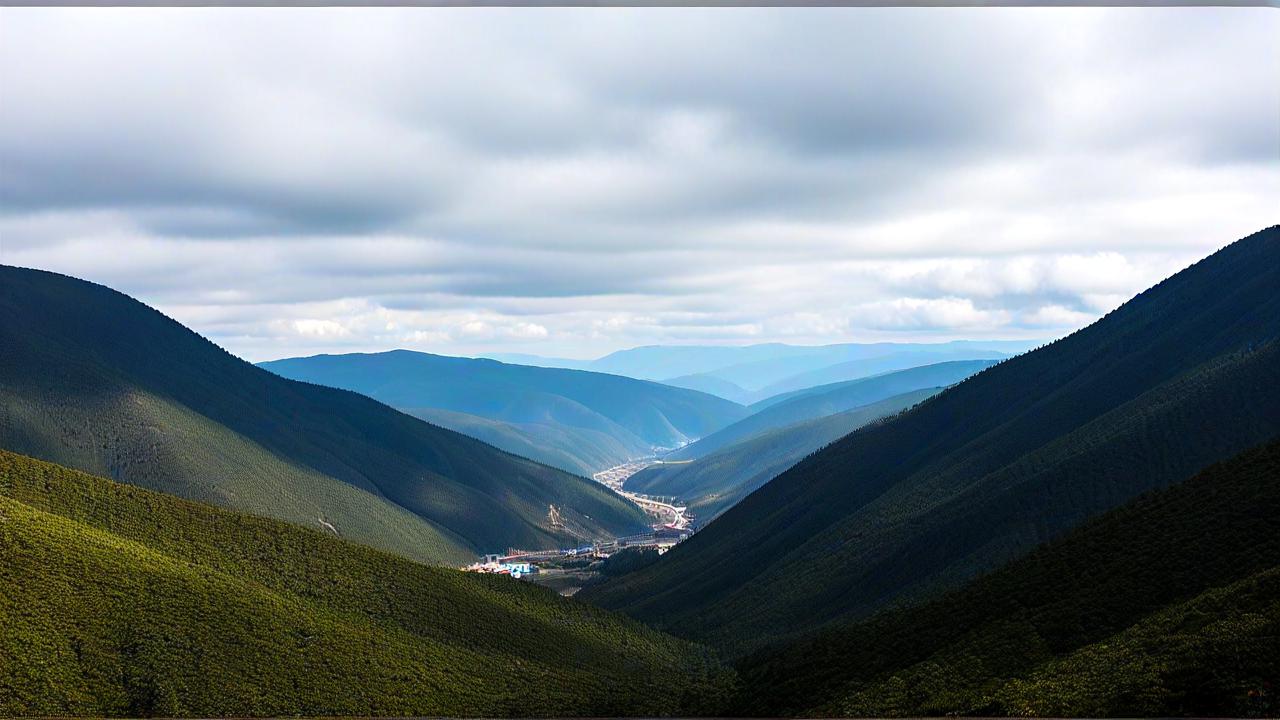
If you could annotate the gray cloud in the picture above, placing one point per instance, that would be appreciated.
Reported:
(574, 181)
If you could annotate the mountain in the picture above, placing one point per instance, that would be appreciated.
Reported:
(753, 367)
(829, 400)
(581, 451)
(1185, 374)
(117, 601)
(1168, 606)
(97, 381)
(712, 385)
(712, 484)
(863, 368)
(836, 363)
(583, 408)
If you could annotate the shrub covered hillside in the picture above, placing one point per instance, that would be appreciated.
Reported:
(115, 600)
(96, 381)
(1167, 606)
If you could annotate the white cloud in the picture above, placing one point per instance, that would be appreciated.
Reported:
(293, 181)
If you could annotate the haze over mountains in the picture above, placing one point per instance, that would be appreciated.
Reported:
(96, 381)
(715, 481)
(1184, 375)
(576, 420)
(824, 400)
(751, 373)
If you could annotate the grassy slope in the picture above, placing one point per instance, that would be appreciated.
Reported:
(1185, 374)
(830, 400)
(97, 381)
(1167, 606)
(629, 409)
(712, 484)
(115, 600)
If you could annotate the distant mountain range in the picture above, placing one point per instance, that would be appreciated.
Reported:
(1183, 375)
(577, 420)
(121, 602)
(745, 374)
(825, 400)
(96, 381)
(713, 483)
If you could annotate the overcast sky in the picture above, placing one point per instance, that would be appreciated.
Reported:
(571, 182)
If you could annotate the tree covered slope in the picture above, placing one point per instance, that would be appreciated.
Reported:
(117, 601)
(97, 381)
(1185, 374)
(1167, 606)
(603, 413)
(831, 399)
(712, 484)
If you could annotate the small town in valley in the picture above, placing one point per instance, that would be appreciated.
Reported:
(568, 569)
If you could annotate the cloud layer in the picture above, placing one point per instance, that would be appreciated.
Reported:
(576, 181)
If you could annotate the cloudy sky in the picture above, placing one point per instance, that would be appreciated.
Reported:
(571, 182)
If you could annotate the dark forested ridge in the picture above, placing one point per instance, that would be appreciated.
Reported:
(97, 381)
(615, 417)
(118, 601)
(1167, 606)
(1185, 374)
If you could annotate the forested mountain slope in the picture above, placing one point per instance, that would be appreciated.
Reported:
(1168, 606)
(95, 380)
(604, 413)
(712, 484)
(832, 399)
(117, 601)
(1185, 374)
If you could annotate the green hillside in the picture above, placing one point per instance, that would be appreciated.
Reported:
(1185, 374)
(829, 400)
(1168, 606)
(712, 484)
(117, 601)
(607, 415)
(94, 380)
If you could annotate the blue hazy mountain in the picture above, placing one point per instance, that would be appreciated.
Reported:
(712, 484)
(551, 409)
(829, 400)
(753, 367)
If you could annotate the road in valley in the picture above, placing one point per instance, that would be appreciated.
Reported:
(672, 515)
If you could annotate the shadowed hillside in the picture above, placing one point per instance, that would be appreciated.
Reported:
(1168, 606)
(1183, 375)
(94, 380)
(117, 601)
